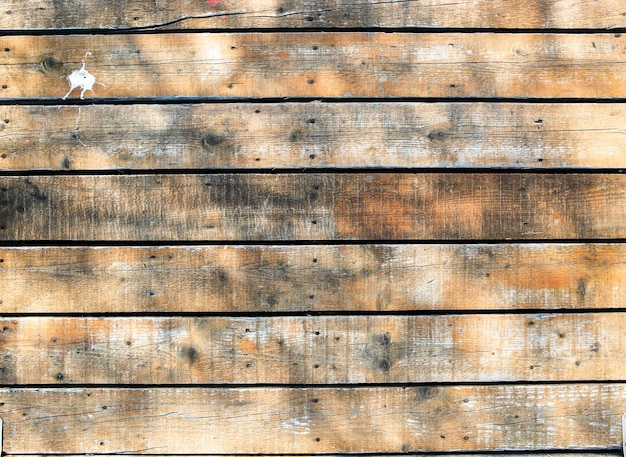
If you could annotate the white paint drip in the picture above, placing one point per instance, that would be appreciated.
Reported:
(76, 129)
(81, 79)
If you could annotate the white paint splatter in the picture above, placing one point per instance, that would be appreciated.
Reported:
(81, 79)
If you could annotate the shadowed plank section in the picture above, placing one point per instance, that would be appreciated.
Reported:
(313, 420)
(297, 135)
(317, 278)
(313, 350)
(427, 206)
(316, 65)
(118, 14)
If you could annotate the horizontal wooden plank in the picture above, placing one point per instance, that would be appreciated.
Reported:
(313, 420)
(313, 350)
(230, 279)
(314, 65)
(310, 135)
(425, 206)
(499, 454)
(118, 14)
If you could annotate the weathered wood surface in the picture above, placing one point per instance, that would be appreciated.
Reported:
(424, 206)
(286, 383)
(313, 350)
(310, 135)
(313, 420)
(363, 278)
(500, 454)
(317, 65)
(119, 14)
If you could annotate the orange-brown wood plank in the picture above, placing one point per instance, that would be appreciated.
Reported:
(420, 206)
(312, 420)
(313, 350)
(119, 14)
(343, 65)
(365, 278)
(311, 135)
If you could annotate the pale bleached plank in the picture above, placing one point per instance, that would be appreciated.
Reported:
(342, 206)
(118, 14)
(231, 279)
(313, 350)
(311, 135)
(313, 420)
(317, 65)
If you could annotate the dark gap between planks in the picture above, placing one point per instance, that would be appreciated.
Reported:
(276, 100)
(162, 29)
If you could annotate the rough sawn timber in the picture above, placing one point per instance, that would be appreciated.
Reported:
(354, 278)
(129, 14)
(305, 350)
(182, 420)
(346, 65)
(312, 135)
(501, 454)
(342, 206)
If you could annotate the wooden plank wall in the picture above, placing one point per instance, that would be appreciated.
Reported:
(236, 227)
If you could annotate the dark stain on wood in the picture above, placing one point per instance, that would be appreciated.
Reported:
(426, 393)
(190, 353)
(212, 139)
(378, 353)
(52, 65)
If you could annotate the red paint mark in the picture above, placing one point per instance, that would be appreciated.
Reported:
(212, 3)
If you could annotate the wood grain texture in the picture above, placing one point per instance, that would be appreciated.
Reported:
(363, 278)
(118, 14)
(424, 206)
(344, 65)
(311, 135)
(502, 454)
(313, 420)
(313, 350)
